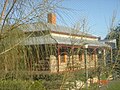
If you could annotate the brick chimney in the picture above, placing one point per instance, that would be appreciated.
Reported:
(52, 18)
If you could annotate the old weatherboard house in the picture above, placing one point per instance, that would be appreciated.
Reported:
(57, 48)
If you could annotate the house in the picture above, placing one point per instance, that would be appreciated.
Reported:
(57, 48)
(111, 42)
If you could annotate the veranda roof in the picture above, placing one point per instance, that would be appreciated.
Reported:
(49, 39)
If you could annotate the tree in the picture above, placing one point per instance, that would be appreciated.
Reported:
(14, 14)
(115, 34)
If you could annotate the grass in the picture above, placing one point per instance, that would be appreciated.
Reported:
(114, 85)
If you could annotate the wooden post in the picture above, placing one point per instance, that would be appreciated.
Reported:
(111, 56)
(104, 57)
(86, 66)
(58, 61)
(95, 58)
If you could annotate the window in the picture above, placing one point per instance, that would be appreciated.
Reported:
(63, 55)
(80, 57)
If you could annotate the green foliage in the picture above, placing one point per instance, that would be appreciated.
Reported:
(50, 81)
(36, 85)
(115, 34)
(10, 49)
(21, 85)
(114, 85)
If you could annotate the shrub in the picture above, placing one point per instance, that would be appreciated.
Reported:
(21, 85)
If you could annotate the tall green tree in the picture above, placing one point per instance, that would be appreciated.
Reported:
(115, 34)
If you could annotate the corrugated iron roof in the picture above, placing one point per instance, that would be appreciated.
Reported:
(49, 39)
(46, 26)
(46, 39)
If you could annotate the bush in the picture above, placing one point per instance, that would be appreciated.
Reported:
(37, 85)
(21, 85)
